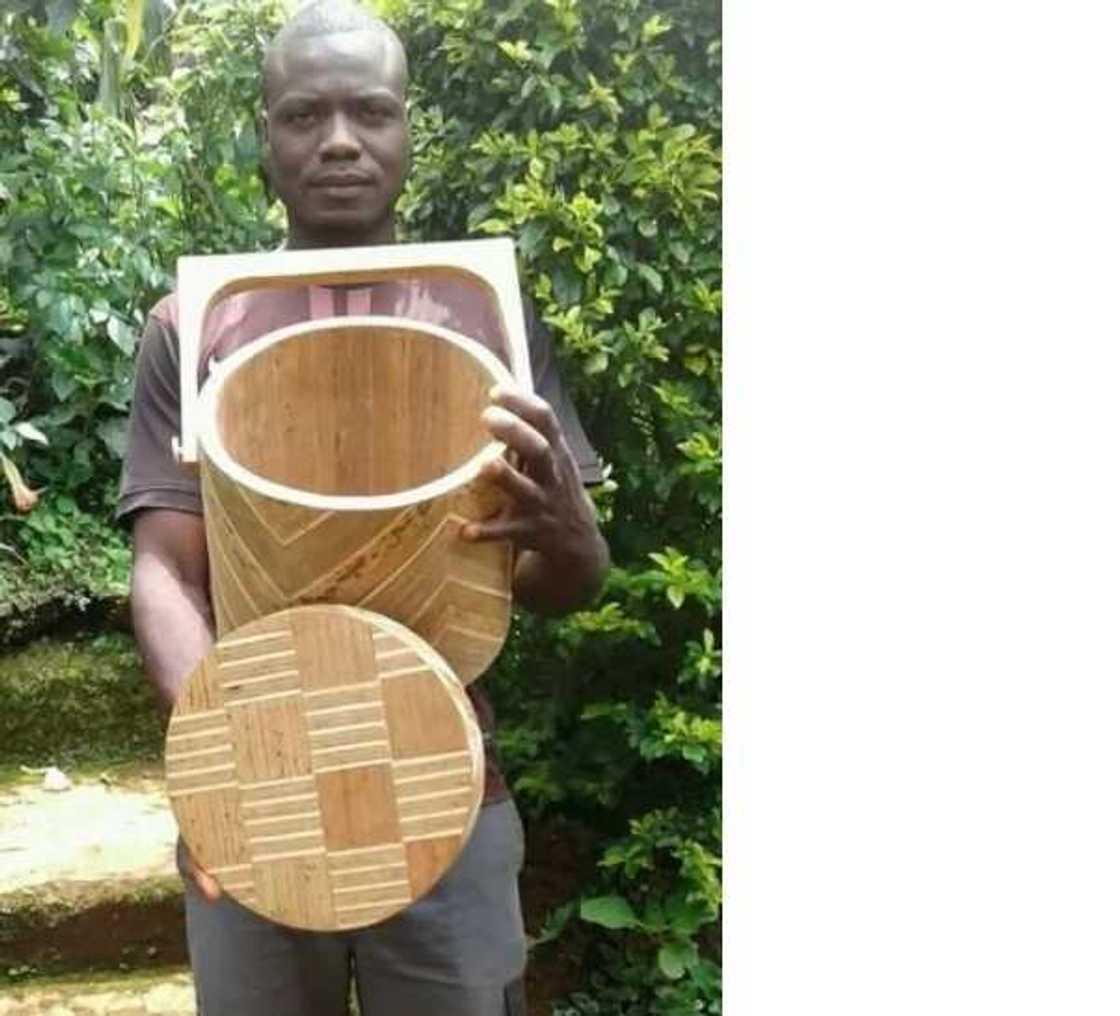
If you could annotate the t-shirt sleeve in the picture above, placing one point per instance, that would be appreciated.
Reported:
(151, 478)
(550, 386)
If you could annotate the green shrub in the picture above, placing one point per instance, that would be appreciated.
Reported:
(590, 132)
(99, 194)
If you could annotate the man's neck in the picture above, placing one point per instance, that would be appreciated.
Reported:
(303, 239)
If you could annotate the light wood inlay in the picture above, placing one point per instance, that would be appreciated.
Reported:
(370, 410)
(331, 780)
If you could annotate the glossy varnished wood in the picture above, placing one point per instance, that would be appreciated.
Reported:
(325, 765)
(488, 265)
(340, 460)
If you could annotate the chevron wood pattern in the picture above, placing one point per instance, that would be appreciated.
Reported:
(325, 764)
(347, 409)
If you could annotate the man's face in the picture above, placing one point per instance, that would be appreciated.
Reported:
(336, 136)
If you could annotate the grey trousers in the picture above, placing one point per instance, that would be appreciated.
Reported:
(458, 951)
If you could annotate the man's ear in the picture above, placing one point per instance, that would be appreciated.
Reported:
(264, 169)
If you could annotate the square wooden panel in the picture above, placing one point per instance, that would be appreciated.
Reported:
(270, 740)
(331, 650)
(358, 807)
(422, 717)
(213, 817)
(428, 861)
(299, 888)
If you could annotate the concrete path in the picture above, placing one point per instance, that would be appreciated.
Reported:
(171, 995)
(88, 833)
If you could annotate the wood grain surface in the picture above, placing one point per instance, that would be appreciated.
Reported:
(325, 765)
(385, 419)
(489, 266)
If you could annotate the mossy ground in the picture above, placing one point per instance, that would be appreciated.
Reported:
(81, 701)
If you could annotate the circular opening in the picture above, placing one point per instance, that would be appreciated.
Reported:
(352, 408)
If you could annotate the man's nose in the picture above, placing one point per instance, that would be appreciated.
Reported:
(340, 142)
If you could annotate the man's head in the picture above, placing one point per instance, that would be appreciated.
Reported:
(335, 125)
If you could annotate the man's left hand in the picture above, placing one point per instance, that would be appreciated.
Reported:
(562, 557)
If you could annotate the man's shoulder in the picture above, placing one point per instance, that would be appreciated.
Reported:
(166, 311)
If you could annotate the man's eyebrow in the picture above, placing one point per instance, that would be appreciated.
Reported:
(380, 94)
(291, 97)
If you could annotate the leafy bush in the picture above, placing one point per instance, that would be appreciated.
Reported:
(101, 189)
(591, 133)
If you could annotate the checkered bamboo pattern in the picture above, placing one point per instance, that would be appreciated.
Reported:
(325, 765)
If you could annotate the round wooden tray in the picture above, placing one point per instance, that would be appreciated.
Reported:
(325, 765)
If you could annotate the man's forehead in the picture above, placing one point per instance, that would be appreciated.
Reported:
(370, 58)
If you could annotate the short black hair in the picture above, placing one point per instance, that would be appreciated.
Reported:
(323, 17)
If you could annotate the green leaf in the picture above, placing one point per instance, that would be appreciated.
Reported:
(652, 277)
(675, 958)
(608, 912)
(124, 338)
(647, 227)
(653, 27)
(596, 363)
(531, 237)
(492, 226)
(62, 385)
(685, 916)
(134, 18)
(114, 433)
(554, 924)
(567, 285)
(7, 410)
(516, 51)
(29, 432)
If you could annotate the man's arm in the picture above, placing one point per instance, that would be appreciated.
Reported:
(170, 597)
(171, 614)
(562, 558)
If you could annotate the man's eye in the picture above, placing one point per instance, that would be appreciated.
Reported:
(301, 117)
(374, 114)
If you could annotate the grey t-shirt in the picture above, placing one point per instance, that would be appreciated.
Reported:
(152, 478)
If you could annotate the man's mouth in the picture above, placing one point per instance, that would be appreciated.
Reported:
(341, 181)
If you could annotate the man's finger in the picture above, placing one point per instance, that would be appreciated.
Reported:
(203, 880)
(501, 529)
(519, 434)
(515, 483)
(208, 886)
(531, 408)
(522, 439)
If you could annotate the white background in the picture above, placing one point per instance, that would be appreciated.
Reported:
(922, 335)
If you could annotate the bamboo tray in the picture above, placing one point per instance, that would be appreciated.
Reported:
(325, 765)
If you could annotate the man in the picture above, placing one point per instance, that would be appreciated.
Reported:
(336, 152)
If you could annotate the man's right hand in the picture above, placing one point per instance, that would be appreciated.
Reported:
(206, 884)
